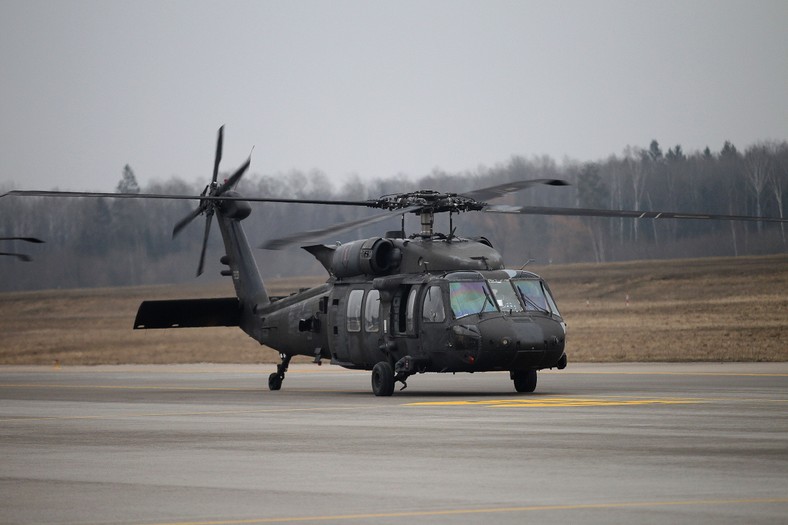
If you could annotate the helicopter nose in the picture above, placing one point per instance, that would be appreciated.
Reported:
(517, 343)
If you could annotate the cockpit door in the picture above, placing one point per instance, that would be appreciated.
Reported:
(433, 326)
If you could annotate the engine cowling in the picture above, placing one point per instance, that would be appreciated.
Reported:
(374, 256)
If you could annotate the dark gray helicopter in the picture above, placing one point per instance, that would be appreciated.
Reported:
(396, 305)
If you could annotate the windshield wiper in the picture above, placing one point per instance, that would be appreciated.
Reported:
(487, 299)
(531, 302)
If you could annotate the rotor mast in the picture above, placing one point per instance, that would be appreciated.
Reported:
(427, 222)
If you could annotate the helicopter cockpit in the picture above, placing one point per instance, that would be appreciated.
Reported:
(506, 291)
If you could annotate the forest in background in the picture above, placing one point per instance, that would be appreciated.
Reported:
(107, 242)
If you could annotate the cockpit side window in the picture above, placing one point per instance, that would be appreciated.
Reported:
(470, 297)
(432, 310)
(550, 300)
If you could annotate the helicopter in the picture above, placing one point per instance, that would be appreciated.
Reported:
(395, 305)
(20, 256)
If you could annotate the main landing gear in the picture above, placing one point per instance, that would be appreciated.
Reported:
(383, 379)
(384, 376)
(275, 379)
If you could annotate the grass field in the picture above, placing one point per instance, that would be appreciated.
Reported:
(716, 309)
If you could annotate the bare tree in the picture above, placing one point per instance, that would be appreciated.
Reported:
(757, 168)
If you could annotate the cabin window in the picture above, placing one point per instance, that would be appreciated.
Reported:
(354, 310)
(410, 316)
(532, 294)
(398, 310)
(433, 311)
(372, 311)
(505, 296)
(470, 297)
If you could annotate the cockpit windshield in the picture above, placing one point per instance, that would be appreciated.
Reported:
(515, 295)
(505, 296)
(535, 297)
(470, 297)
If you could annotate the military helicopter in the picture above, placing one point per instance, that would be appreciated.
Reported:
(395, 305)
(21, 256)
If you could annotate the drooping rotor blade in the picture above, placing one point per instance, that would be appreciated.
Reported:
(500, 190)
(20, 256)
(89, 194)
(96, 194)
(218, 158)
(208, 221)
(313, 235)
(589, 212)
(181, 224)
(25, 239)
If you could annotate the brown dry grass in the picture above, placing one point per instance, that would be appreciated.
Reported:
(721, 309)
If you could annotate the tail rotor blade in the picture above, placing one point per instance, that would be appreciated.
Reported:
(186, 220)
(208, 221)
(218, 157)
(234, 178)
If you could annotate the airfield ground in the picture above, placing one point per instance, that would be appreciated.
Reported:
(715, 309)
(598, 443)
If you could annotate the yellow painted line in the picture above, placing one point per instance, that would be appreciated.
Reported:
(490, 510)
(553, 402)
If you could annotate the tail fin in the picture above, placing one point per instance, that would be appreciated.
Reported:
(249, 286)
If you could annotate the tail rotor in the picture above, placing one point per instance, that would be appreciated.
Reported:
(208, 206)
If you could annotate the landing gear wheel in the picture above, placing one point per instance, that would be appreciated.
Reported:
(524, 380)
(275, 381)
(383, 379)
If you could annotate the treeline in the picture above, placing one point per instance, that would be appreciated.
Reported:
(110, 242)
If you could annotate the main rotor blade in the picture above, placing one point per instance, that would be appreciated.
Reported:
(313, 235)
(589, 212)
(218, 158)
(500, 190)
(88, 194)
(25, 239)
(181, 224)
(208, 221)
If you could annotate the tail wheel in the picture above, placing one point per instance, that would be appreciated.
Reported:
(383, 379)
(524, 380)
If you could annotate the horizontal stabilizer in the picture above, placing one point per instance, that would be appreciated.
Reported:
(188, 313)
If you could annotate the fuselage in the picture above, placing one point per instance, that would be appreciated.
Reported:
(465, 318)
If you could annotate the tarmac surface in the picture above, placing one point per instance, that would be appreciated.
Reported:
(209, 444)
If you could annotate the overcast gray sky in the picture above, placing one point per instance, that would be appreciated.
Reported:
(375, 88)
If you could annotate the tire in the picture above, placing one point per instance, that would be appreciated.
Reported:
(274, 381)
(383, 379)
(524, 380)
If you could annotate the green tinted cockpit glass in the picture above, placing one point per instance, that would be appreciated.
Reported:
(470, 297)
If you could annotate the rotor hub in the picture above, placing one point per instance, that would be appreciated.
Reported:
(428, 201)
